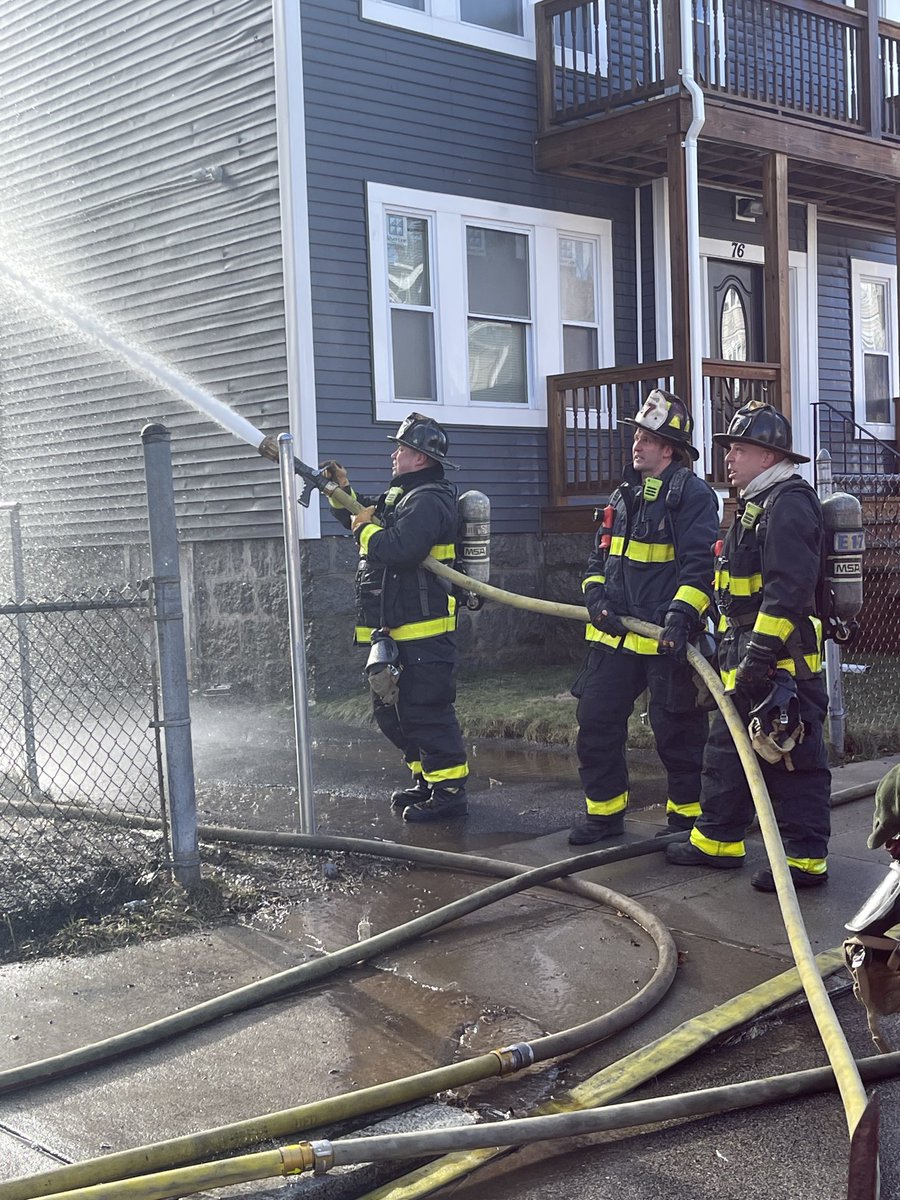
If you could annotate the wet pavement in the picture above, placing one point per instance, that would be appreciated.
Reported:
(533, 963)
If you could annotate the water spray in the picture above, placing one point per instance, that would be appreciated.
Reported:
(146, 364)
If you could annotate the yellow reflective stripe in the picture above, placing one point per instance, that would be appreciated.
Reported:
(812, 866)
(366, 536)
(716, 849)
(646, 552)
(728, 678)
(694, 597)
(813, 661)
(722, 623)
(411, 632)
(776, 627)
(444, 552)
(585, 583)
(348, 490)
(448, 773)
(738, 585)
(605, 808)
(632, 641)
(684, 810)
(415, 766)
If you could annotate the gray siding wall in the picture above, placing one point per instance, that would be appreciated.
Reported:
(717, 220)
(139, 179)
(837, 245)
(395, 107)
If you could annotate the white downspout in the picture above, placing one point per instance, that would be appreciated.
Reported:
(692, 204)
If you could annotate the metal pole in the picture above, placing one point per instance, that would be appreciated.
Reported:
(306, 796)
(173, 677)
(18, 582)
(834, 679)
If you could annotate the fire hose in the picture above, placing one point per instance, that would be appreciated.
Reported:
(321, 1155)
(853, 1093)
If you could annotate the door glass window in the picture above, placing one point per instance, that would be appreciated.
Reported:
(499, 316)
(412, 311)
(733, 327)
(873, 313)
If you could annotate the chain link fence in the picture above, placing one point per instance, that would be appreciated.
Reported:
(79, 755)
(869, 469)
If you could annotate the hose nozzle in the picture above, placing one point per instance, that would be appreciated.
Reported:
(268, 447)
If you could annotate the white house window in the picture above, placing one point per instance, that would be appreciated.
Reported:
(408, 240)
(875, 360)
(578, 302)
(474, 304)
(503, 25)
(499, 318)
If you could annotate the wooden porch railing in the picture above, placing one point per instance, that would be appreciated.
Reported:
(587, 442)
(804, 58)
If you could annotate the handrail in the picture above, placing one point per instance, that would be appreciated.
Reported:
(848, 420)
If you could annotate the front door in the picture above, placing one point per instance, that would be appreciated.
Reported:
(736, 334)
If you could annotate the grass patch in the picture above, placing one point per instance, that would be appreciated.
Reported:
(533, 706)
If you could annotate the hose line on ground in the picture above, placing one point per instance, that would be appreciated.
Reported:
(608, 1084)
(369, 1100)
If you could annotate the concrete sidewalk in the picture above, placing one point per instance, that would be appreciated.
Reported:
(530, 964)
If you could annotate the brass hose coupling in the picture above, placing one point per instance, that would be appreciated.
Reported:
(514, 1058)
(317, 1157)
(268, 447)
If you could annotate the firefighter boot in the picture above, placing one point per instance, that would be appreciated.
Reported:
(596, 829)
(416, 793)
(684, 854)
(443, 803)
(764, 881)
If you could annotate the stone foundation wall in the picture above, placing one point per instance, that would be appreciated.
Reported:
(235, 604)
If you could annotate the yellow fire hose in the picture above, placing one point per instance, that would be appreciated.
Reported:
(613, 1081)
(853, 1094)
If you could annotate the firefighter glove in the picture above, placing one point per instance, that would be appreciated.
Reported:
(601, 616)
(676, 634)
(753, 675)
(336, 473)
(886, 821)
(363, 517)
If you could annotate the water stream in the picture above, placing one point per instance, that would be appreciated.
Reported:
(145, 363)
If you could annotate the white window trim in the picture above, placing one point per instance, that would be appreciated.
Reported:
(442, 20)
(450, 215)
(862, 269)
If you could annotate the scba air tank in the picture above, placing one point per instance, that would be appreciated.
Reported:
(845, 541)
(474, 548)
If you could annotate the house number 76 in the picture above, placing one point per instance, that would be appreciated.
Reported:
(737, 249)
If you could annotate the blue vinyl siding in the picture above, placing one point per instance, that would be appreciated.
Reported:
(390, 106)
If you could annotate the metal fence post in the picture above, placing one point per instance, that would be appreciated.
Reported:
(173, 677)
(834, 680)
(297, 634)
(18, 595)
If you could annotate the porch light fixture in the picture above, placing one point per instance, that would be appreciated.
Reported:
(748, 208)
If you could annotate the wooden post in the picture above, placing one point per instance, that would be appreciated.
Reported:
(871, 90)
(546, 67)
(776, 287)
(678, 250)
(897, 243)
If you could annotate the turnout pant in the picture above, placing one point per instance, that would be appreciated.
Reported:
(423, 722)
(607, 688)
(800, 798)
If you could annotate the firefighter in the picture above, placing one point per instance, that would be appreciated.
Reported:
(402, 606)
(651, 560)
(770, 657)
